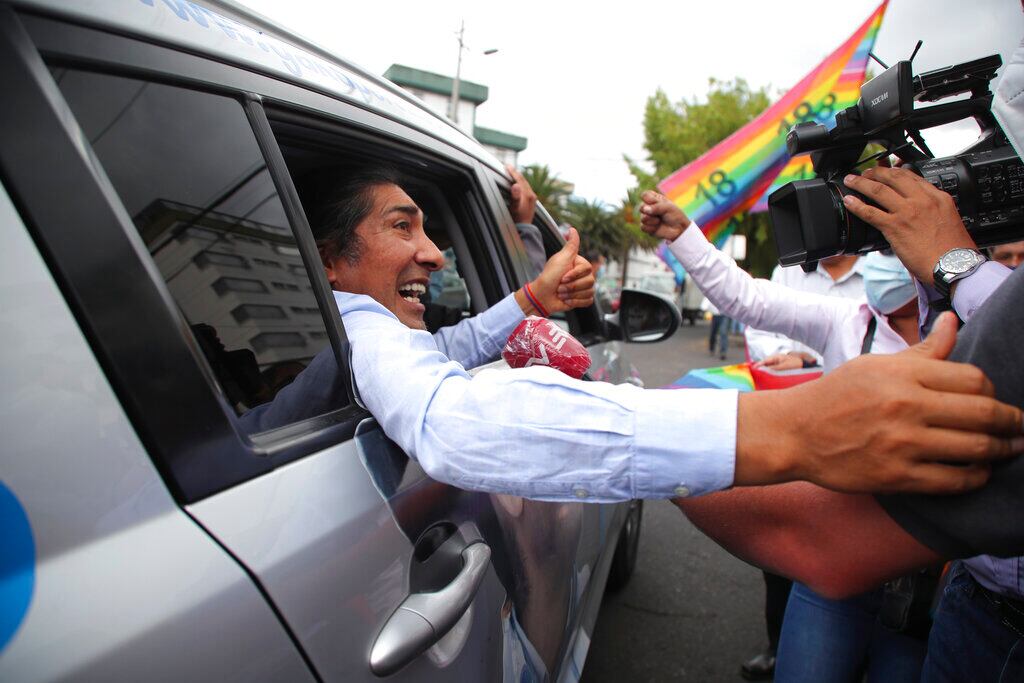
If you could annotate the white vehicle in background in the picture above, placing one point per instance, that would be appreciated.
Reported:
(664, 284)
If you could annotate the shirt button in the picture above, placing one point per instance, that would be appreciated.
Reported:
(580, 493)
(682, 491)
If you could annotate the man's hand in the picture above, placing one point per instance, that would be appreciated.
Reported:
(919, 220)
(661, 217)
(793, 360)
(524, 199)
(567, 281)
(903, 422)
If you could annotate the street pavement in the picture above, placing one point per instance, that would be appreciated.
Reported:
(691, 612)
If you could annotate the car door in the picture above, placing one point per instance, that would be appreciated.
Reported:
(339, 530)
(598, 524)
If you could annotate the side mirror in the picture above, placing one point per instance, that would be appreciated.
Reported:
(643, 317)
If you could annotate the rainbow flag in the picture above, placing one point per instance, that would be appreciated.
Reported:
(672, 262)
(738, 173)
(725, 377)
(744, 377)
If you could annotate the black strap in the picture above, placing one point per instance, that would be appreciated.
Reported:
(869, 336)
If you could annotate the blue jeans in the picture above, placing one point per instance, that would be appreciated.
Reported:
(840, 640)
(969, 641)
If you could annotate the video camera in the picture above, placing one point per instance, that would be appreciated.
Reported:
(986, 180)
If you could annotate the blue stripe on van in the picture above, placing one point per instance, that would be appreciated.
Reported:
(17, 564)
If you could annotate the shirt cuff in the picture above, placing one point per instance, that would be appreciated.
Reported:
(501, 318)
(971, 292)
(685, 442)
(691, 241)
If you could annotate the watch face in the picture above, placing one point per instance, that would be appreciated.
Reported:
(958, 260)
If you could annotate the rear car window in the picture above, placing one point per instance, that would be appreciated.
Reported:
(188, 169)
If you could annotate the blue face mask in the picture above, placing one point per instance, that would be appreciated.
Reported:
(887, 283)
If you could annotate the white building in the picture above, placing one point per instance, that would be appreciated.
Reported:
(436, 92)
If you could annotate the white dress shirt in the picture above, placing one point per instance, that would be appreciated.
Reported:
(532, 432)
(831, 326)
(761, 343)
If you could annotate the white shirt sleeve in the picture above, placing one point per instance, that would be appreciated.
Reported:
(761, 344)
(535, 432)
(478, 340)
(805, 317)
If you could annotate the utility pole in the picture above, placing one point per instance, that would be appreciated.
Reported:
(453, 107)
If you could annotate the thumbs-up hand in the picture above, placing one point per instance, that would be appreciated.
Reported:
(567, 281)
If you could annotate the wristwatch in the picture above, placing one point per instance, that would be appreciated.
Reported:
(954, 265)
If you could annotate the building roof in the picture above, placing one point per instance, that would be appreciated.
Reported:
(496, 138)
(436, 83)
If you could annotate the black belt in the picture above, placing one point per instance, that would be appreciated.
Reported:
(1009, 611)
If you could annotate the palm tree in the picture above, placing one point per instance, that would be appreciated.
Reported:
(551, 190)
(601, 229)
(632, 234)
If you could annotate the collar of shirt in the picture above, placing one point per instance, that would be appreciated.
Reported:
(857, 269)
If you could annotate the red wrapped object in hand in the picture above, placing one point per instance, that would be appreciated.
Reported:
(538, 341)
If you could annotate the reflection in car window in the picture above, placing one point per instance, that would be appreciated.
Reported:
(187, 168)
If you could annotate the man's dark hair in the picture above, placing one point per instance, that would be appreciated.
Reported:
(347, 205)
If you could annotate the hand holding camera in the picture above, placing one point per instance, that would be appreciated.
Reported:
(977, 194)
(920, 221)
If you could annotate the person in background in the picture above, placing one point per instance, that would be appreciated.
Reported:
(719, 337)
(840, 276)
(522, 207)
(837, 276)
(821, 639)
(1010, 255)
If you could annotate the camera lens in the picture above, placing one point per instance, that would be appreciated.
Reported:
(857, 237)
(810, 222)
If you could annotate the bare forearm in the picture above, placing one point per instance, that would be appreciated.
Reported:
(838, 544)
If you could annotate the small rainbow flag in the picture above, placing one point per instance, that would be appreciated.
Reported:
(744, 377)
(737, 174)
(725, 377)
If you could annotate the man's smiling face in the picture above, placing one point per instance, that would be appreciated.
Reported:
(394, 258)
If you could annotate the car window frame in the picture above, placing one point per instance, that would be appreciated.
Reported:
(214, 455)
(584, 323)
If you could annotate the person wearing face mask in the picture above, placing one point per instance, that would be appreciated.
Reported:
(838, 329)
(822, 639)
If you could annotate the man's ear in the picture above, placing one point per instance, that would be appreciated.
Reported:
(329, 269)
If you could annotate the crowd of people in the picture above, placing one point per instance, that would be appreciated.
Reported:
(858, 486)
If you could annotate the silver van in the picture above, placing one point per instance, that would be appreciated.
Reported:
(159, 163)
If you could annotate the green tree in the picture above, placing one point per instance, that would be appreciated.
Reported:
(612, 231)
(601, 229)
(633, 235)
(677, 133)
(551, 190)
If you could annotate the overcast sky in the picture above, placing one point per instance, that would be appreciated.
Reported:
(573, 78)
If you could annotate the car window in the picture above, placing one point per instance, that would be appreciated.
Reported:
(188, 170)
(321, 161)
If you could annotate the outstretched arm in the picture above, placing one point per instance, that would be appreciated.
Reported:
(769, 306)
(836, 543)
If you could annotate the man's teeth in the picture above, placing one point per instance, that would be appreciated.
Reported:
(412, 292)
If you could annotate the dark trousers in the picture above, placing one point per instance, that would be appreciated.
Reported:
(719, 334)
(776, 595)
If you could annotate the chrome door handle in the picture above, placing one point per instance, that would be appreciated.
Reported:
(424, 618)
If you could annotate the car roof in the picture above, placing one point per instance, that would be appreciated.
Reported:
(228, 32)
